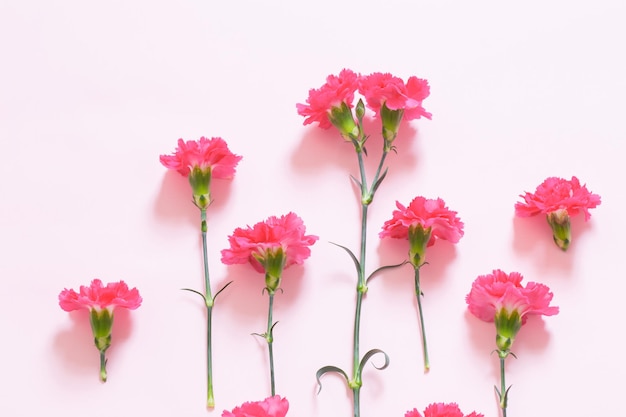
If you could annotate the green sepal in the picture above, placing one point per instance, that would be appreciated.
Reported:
(507, 326)
(200, 181)
(559, 222)
(101, 324)
(341, 117)
(391, 122)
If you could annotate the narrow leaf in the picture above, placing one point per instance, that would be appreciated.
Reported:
(354, 259)
(194, 291)
(383, 268)
(222, 289)
(367, 357)
(326, 369)
(379, 181)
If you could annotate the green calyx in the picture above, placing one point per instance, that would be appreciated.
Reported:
(342, 118)
(273, 261)
(200, 181)
(391, 123)
(418, 240)
(507, 326)
(559, 221)
(101, 325)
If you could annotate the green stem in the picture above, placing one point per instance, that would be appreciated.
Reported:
(208, 299)
(269, 337)
(357, 400)
(503, 390)
(418, 294)
(103, 366)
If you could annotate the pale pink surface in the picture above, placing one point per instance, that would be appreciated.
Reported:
(384, 88)
(337, 89)
(492, 292)
(429, 213)
(287, 231)
(558, 194)
(270, 407)
(442, 410)
(98, 296)
(203, 153)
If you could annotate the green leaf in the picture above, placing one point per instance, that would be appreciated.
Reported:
(354, 259)
(379, 181)
(326, 369)
(355, 181)
(367, 357)
(196, 292)
(383, 268)
(221, 289)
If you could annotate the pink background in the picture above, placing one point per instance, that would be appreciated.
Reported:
(91, 93)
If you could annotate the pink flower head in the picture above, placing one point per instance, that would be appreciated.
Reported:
(270, 246)
(203, 154)
(99, 297)
(423, 222)
(385, 89)
(442, 410)
(558, 199)
(338, 90)
(270, 407)
(201, 161)
(558, 194)
(502, 298)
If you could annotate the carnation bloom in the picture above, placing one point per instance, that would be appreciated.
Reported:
(331, 103)
(442, 410)
(501, 298)
(274, 406)
(423, 222)
(200, 161)
(270, 246)
(101, 302)
(392, 100)
(558, 199)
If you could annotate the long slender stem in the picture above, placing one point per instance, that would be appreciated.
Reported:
(208, 299)
(503, 390)
(418, 294)
(269, 337)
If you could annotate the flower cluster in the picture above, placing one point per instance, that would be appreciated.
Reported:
(442, 410)
(388, 96)
(558, 199)
(101, 302)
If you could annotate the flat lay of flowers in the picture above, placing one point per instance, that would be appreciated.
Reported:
(273, 209)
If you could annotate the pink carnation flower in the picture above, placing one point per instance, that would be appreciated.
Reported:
(442, 410)
(270, 407)
(501, 297)
(98, 297)
(430, 214)
(270, 246)
(101, 302)
(338, 89)
(498, 290)
(203, 154)
(558, 199)
(558, 194)
(423, 222)
(385, 89)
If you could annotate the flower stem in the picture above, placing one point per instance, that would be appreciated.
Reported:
(103, 366)
(503, 390)
(208, 299)
(418, 294)
(269, 337)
